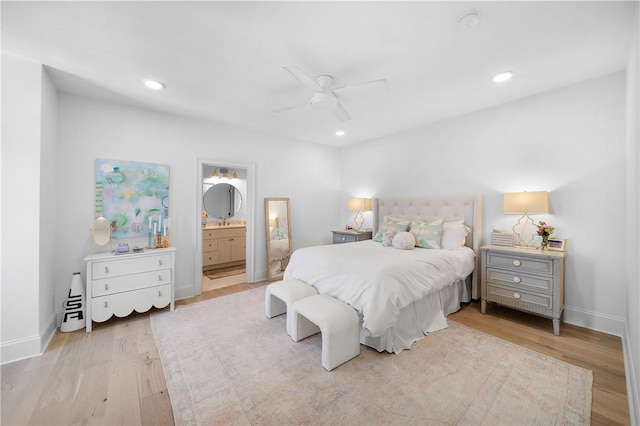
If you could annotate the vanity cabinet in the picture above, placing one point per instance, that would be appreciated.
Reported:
(119, 284)
(223, 246)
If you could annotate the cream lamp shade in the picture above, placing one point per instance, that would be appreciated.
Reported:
(525, 203)
(359, 205)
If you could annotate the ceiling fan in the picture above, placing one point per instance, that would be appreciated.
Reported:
(324, 94)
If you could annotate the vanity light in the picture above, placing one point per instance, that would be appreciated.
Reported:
(225, 173)
(235, 175)
(215, 174)
(340, 133)
(154, 85)
(503, 76)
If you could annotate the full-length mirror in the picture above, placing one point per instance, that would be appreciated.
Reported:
(277, 224)
(222, 200)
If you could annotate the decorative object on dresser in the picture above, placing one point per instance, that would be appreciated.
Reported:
(530, 281)
(118, 285)
(277, 217)
(558, 244)
(499, 238)
(359, 205)
(525, 203)
(350, 236)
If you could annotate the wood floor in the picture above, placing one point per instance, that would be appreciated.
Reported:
(113, 375)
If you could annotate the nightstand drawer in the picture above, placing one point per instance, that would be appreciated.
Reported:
(529, 301)
(342, 238)
(520, 263)
(520, 281)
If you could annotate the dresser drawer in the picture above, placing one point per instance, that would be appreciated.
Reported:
(516, 280)
(342, 238)
(520, 263)
(122, 266)
(210, 245)
(130, 282)
(122, 304)
(529, 301)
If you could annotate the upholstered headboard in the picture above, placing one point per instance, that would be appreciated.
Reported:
(448, 207)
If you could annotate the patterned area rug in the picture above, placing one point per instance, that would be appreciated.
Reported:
(226, 363)
(225, 272)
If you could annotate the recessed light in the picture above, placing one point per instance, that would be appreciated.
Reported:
(340, 133)
(154, 85)
(503, 76)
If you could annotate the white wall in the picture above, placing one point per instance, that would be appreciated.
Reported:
(570, 142)
(632, 341)
(21, 191)
(89, 129)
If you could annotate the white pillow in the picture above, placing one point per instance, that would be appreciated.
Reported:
(454, 234)
(404, 241)
(387, 239)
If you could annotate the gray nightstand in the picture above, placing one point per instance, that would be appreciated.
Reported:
(524, 279)
(350, 236)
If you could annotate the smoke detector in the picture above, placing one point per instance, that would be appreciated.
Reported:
(469, 21)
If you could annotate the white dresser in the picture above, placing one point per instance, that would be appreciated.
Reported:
(119, 284)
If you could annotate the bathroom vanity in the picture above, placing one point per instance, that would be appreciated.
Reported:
(223, 246)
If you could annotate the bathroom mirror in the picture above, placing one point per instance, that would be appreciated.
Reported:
(101, 231)
(277, 224)
(222, 200)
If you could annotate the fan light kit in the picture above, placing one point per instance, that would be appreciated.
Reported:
(503, 76)
(469, 21)
(324, 96)
(339, 132)
(154, 85)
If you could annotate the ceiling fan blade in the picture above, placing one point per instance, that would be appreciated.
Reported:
(303, 78)
(380, 84)
(340, 113)
(290, 107)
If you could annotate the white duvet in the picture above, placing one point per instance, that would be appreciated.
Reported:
(378, 281)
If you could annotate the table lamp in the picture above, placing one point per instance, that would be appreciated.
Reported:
(525, 203)
(359, 205)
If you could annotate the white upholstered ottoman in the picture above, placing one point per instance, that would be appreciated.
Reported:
(280, 295)
(337, 321)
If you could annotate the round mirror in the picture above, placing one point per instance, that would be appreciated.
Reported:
(101, 231)
(222, 200)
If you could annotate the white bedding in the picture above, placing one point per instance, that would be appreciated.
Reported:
(379, 281)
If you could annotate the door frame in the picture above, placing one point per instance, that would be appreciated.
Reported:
(250, 215)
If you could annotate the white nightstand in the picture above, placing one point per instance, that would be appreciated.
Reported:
(350, 236)
(524, 279)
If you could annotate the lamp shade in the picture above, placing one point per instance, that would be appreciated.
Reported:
(359, 204)
(536, 202)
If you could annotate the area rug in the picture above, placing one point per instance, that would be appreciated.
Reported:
(225, 363)
(225, 272)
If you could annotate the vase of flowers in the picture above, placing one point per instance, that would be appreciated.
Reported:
(544, 231)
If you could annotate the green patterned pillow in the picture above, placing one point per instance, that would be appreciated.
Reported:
(391, 224)
(427, 233)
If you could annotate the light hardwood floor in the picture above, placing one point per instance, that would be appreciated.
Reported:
(113, 375)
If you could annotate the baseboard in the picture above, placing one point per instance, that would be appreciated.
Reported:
(184, 293)
(594, 321)
(28, 347)
(630, 376)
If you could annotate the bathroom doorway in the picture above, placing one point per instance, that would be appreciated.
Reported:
(226, 224)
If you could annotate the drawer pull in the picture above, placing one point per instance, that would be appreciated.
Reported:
(106, 269)
(516, 295)
(517, 279)
(516, 262)
(160, 262)
(159, 293)
(106, 286)
(106, 304)
(159, 277)
(344, 238)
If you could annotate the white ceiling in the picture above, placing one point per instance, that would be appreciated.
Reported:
(223, 61)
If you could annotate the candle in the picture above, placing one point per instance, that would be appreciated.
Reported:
(149, 223)
(159, 222)
(155, 230)
(165, 229)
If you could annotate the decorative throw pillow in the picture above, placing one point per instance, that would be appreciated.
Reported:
(387, 239)
(393, 224)
(404, 241)
(427, 233)
(454, 234)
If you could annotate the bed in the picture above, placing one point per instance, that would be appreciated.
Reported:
(400, 295)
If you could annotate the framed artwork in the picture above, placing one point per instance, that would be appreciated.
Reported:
(557, 244)
(131, 195)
